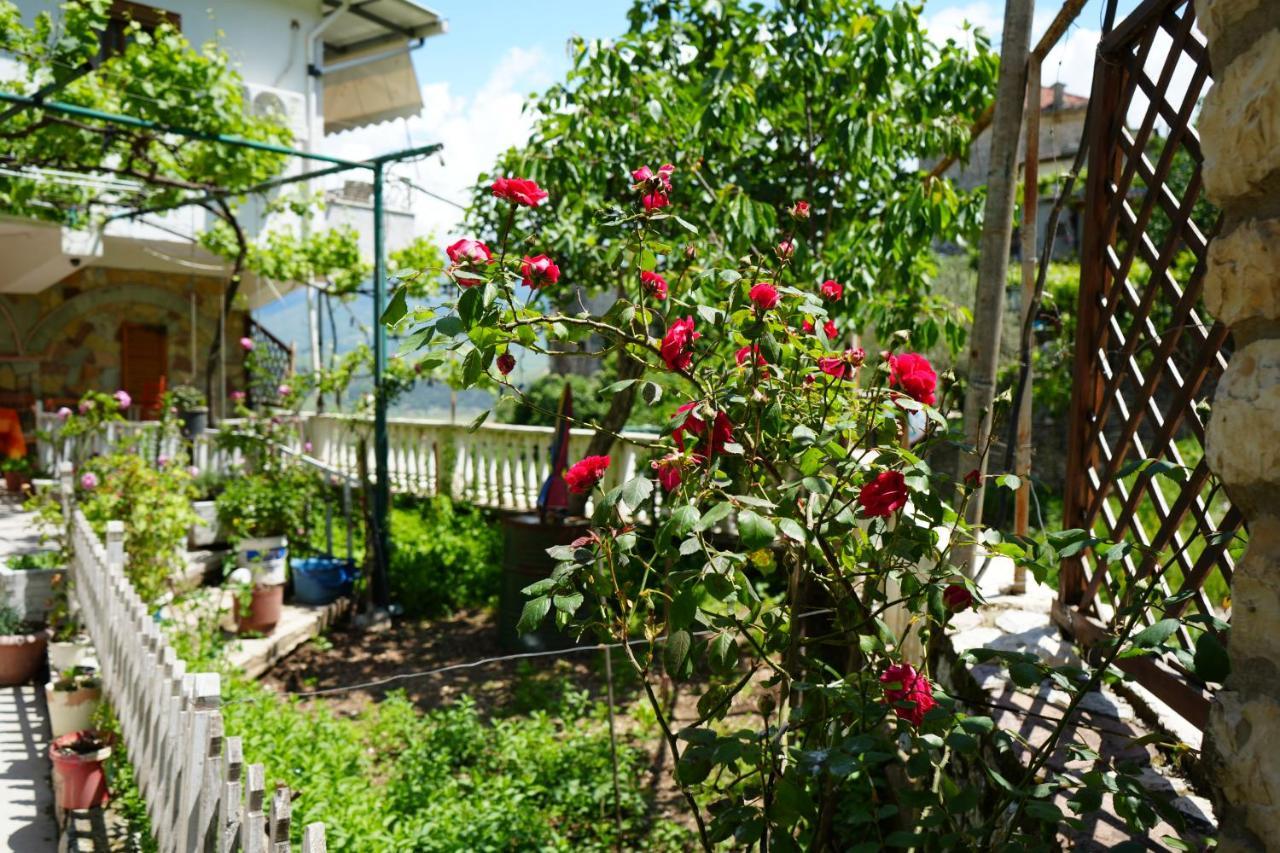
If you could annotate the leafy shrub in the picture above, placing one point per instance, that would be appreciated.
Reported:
(444, 556)
(396, 779)
(155, 506)
(36, 561)
(266, 503)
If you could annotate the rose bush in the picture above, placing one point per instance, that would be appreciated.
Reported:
(784, 527)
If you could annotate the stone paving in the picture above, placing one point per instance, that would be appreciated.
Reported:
(26, 797)
(1105, 721)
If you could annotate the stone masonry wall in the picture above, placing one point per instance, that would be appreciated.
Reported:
(57, 344)
(1240, 136)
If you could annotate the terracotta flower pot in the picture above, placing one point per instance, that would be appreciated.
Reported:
(71, 710)
(21, 656)
(15, 480)
(262, 614)
(78, 779)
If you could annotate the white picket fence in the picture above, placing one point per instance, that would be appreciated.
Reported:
(200, 794)
(144, 437)
(498, 465)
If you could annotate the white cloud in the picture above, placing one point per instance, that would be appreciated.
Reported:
(474, 131)
(958, 22)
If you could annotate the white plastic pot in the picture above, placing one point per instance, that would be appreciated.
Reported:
(71, 710)
(70, 654)
(267, 559)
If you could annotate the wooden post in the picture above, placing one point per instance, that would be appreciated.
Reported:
(993, 264)
(1030, 202)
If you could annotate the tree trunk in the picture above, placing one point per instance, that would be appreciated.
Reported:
(613, 421)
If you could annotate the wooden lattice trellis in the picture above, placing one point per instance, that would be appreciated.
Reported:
(1147, 355)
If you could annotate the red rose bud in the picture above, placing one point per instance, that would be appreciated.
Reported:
(956, 597)
(746, 353)
(669, 471)
(467, 252)
(677, 344)
(834, 366)
(806, 326)
(764, 296)
(506, 363)
(883, 496)
(519, 191)
(856, 356)
(707, 443)
(908, 692)
(829, 328)
(808, 379)
(831, 290)
(800, 210)
(914, 375)
(786, 249)
(539, 271)
(972, 479)
(654, 285)
(583, 476)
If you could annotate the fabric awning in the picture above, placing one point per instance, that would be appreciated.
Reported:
(372, 92)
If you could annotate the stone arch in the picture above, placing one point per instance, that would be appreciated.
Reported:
(47, 328)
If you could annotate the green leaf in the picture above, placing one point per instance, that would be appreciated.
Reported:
(714, 516)
(1156, 634)
(756, 530)
(792, 529)
(396, 308)
(636, 491)
(568, 604)
(723, 652)
(535, 610)
(1025, 674)
(676, 650)
(618, 386)
(1211, 660)
(682, 521)
(480, 419)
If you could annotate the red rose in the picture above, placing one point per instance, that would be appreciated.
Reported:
(764, 295)
(914, 375)
(467, 252)
(506, 363)
(830, 329)
(519, 191)
(669, 473)
(831, 290)
(539, 271)
(806, 326)
(677, 344)
(957, 597)
(655, 200)
(800, 210)
(706, 445)
(834, 365)
(746, 353)
(855, 356)
(654, 285)
(972, 479)
(656, 189)
(883, 496)
(583, 476)
(908, 692)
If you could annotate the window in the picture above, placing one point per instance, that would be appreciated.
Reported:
(115, 38)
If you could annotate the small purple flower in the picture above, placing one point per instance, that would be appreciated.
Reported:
(246, 344)
(123, 398)
(85, 406)
(162, 461)
(193, 471)
(284, 390)
(64, 413)
(306, 447)
(237, 396)
(89, 481)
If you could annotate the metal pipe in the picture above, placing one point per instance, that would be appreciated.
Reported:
(146, 124)
(381, 451)
(321, 70)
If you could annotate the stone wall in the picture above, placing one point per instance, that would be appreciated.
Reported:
(1240, 136)
(59, 343)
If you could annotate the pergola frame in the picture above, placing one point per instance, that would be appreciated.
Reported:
(376, 166)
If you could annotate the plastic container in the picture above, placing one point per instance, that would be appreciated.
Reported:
(71, 711)
(321, 580)
(266, 604)
(79, 781)
(267, 558)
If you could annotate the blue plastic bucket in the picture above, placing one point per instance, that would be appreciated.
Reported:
(319, 580)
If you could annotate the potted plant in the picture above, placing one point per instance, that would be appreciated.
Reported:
(17, 472)
(72, 698)
(27, 582)
(22, 647)
(258, 511)
(69, 647)
(206, 531)
(78, 779)
(193, 410)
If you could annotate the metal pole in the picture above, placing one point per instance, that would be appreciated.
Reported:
(381, 453)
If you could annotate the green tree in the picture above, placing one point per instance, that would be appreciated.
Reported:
(836, 102)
